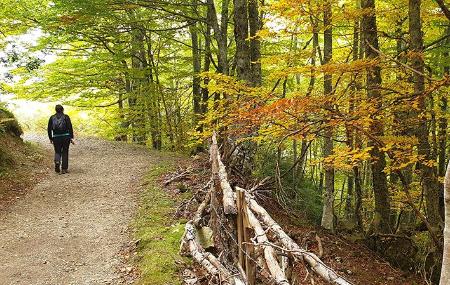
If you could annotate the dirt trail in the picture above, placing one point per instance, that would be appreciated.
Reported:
(70, 228)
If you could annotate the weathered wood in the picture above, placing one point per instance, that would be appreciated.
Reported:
(177, 177)
(310, 258)
(229, 205)
(224, 201)
(201, 208)
(208, 261)
(240, 229)
(193, 249)
(269, 253)
(250, 265)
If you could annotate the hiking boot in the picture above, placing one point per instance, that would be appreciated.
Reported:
(64, 171)
(57, 168)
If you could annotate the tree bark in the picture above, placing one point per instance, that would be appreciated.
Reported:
(350, 132)
(381, 222)
(241, 35)
(328, 203)
(220, 34)
(442, 127)
(196, 63)
(430, 183)
(207, 63)
(155, 112)
(255, 43)
(445, 271)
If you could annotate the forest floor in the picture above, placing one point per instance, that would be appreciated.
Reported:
(350, 259)
(71, 229)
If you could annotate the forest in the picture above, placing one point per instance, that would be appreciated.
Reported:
(337, 109)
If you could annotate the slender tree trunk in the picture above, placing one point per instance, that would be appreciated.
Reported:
(445, 271)
(139, 83)
(255, 43)
(196, 63)
(220, 34)
(295, 169)
(328, 205)
(207, 63)
(350, 131)
(381, 221)
(429, 180)
(312, 82)
(315, 47)
(154, 112)
(442, 127)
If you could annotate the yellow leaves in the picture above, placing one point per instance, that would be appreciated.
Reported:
(331, 68)
(345, 158)
(429, 163)
(398, 196)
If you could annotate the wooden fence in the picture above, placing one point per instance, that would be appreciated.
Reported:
(240, 230)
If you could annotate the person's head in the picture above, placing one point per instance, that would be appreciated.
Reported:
(59, 109)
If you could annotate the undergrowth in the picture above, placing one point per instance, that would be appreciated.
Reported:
(158, 231)
(303, 196)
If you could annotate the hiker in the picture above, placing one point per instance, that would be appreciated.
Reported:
(60, 133)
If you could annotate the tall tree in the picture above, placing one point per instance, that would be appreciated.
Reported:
(381, 221)
(328, 205)
(429, 180)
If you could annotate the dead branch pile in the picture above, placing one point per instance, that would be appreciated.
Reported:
(250, 246)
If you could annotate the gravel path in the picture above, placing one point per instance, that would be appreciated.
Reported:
(70, 228)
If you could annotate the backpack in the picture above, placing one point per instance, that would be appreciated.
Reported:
(59, 123)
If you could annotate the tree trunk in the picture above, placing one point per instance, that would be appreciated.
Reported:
(138, 82)
(350, 132)
(328, 204)
(155, 117)
(241, 36)
(445, 271)
(220, 34)
(381, 221)
(442, 127)
(255, 43)
(207, 63)
(429, 180)
(196, 63)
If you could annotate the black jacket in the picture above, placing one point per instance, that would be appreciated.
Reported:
(52, 132)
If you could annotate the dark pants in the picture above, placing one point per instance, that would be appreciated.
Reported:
(61, 145)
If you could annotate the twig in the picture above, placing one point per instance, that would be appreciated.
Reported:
(177, 177)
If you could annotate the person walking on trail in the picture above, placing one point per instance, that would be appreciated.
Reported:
(60, 133)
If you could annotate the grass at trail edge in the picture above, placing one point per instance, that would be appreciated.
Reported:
(159, 233)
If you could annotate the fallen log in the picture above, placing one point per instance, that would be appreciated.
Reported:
(208, 261)
(218, 169)
(291, 247)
